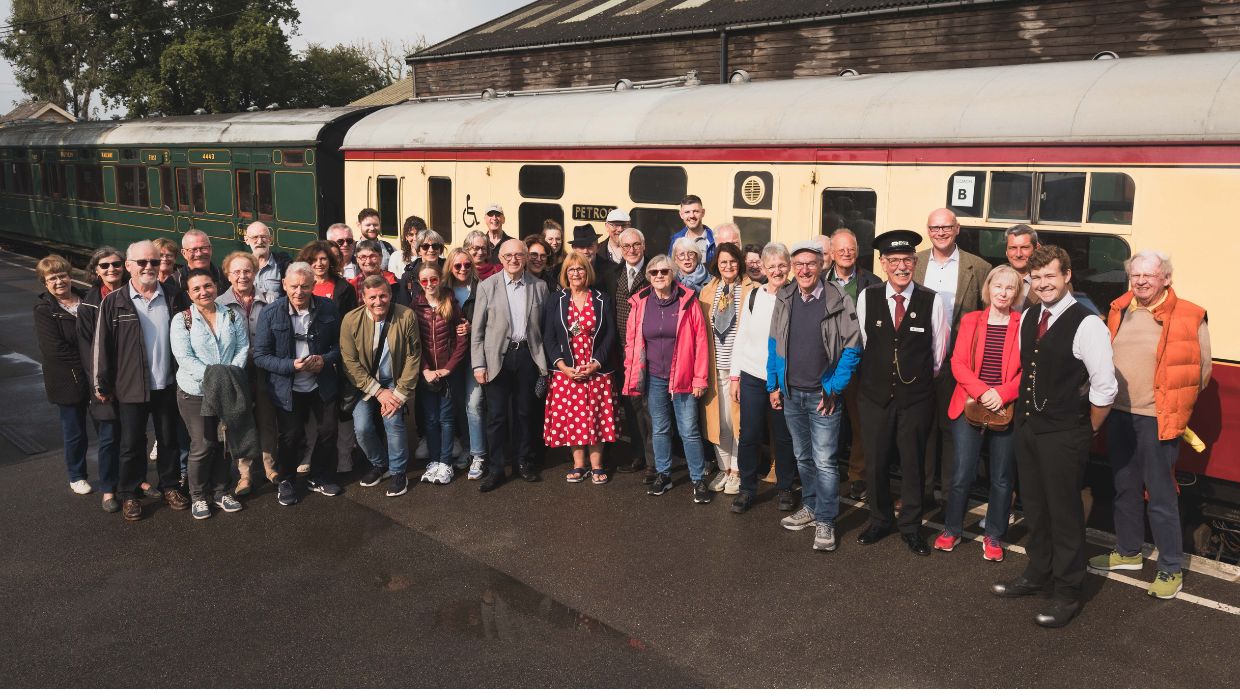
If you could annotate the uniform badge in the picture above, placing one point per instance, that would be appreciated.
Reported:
(912, 314)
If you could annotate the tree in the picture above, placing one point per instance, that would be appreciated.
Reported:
(218, 55)
(388, 58)
(56, 52)
(334, 76)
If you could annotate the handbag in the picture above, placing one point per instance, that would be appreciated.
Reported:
(981, 417)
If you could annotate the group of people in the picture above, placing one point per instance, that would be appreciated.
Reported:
(723, 353)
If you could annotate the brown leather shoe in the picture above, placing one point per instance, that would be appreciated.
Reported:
(131, 510)
(176, 500)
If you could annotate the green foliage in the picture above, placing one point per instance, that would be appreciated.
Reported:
(55, 52)
(334, 76)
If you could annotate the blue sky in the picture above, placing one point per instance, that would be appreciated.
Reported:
(331, 22)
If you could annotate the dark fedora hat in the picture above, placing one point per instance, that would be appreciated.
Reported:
(584, 236)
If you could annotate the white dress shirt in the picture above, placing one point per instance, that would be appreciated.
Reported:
(943, 278)
(516, 292)
(1092, 346)
(939, 326)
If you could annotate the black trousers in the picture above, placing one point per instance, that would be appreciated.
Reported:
(162, 410)
(510, 397)
(1051, 468)
(756, 417)
(900, 431)
(291, 444)
(940, 448)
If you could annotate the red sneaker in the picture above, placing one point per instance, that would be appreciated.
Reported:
(992, 549)
(946, 542)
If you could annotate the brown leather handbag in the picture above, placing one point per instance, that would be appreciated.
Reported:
(978, 415)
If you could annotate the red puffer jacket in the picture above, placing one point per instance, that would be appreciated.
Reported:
(442, 348)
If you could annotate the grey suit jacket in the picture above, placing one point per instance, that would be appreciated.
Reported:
(969, 282)
(489, 328)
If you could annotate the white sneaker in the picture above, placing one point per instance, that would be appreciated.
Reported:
(431, 470)
(421, 452)
(154, 452)
(303, 468)
(80, 487)
(732, 485)
(444, 475)
(720, 479)
(476, 468)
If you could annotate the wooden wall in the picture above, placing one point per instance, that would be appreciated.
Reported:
(1003, 33)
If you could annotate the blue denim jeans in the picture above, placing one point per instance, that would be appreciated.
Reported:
(1143, 464)
(814, 438)
(392, 447)
(469, 400)
(969, 441)
(440, 422)
(109, 454)
(73, 431)
(683, 408)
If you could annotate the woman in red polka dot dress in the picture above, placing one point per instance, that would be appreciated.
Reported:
(578, 330)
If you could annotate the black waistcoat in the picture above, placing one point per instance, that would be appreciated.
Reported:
(1054, 384)
(899, 364)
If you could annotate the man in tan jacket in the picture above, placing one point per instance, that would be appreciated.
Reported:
(381, 350)
(957, 277)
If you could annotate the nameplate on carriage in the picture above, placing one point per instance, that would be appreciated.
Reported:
(205, 157)
(591, 212)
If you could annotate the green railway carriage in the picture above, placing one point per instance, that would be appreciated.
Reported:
(95, 183)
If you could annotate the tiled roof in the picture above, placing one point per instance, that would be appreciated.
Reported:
(395, 93)
(35, 110)
(549, 22)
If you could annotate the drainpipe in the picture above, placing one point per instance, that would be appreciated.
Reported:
(723, 55)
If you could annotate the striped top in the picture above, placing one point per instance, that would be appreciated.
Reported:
(723, 350)
(991, 372)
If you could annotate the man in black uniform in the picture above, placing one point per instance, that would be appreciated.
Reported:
(904, 331)
(1066, 391)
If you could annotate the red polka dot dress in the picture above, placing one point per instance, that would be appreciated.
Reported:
(580, 413)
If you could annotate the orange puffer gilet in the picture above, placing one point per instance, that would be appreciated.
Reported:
(1177, 373)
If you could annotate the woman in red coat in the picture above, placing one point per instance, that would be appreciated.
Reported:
(986, 364)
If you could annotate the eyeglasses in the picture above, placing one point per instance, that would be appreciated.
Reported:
(145, 263)
(686, 256)
(430, 246)
(477, 249)
(728, 263)
(632, 246)
(509, 257)
(200, 249)
(344, 242)
(111, 265)
(258, 239)
(943, 228)
(901, 262)
(575, 271)
(658, 273)
(463, 266)
(537, 256)
(806, 265)
(429, 281)
(167, 256)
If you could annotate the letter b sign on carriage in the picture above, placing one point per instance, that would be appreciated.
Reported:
(962, 191)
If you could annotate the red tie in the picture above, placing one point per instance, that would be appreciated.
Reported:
(899, 310)
(1042, 324)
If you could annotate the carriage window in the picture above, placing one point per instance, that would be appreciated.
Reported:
(165, 188)
(1097, 259)
(129, 153)
(1062, 197)
(531, 215)
(245, 194)
(658, 185)
(541, 181)
(389, 207)
(754, 229)
(966, 190)
(131, 186)
(657, 225)
(1011, 196)
(182, 189)
(23, 179)
(90, 183)
(196, 190)
(262, 181)
(853, 209)
(294, 157)
(439, 195)
(54, 181)
(1110, 198)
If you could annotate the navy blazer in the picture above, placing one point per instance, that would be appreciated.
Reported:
(274, 348)
(557, 341)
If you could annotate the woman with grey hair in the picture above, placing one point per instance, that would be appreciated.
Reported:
(689, 268)
(478, 246)
(747, 383)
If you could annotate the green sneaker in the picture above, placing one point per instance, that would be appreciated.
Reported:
(1167, 585)
(1114, 561)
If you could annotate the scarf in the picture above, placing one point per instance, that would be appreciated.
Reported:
(696, 279)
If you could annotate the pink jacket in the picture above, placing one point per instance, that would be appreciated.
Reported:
(691, 357)
(972, 336)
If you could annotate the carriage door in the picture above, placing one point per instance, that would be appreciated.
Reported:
(852, 188)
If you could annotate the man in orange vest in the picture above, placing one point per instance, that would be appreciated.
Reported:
(1162, 362)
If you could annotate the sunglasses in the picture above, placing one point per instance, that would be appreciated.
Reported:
(111, 265)
(659, 273)
(146, 263)
(429, 281)
(430, 246)
(344, 242)
(463, 266)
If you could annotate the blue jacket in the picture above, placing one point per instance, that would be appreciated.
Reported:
(841, 337)
(197, 347)
(558, 342)
(275, 348)
(710, 243)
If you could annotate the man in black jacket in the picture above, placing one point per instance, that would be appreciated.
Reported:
(134, 367)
